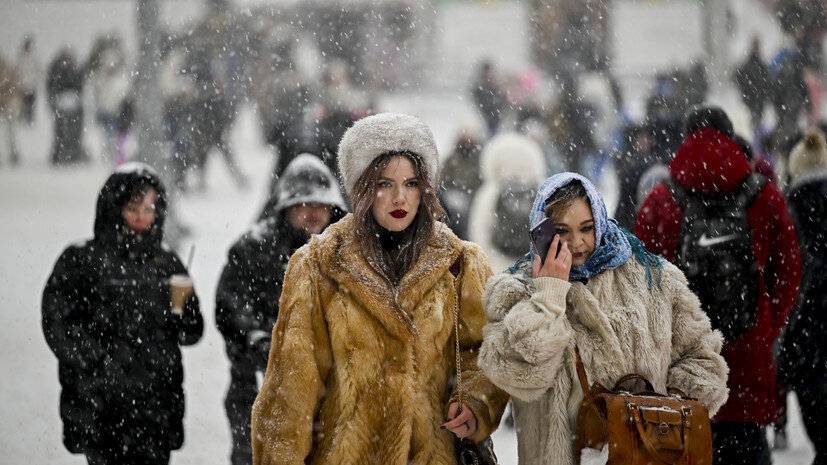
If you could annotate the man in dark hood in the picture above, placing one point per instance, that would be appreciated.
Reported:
(306, 200)
(107, 318)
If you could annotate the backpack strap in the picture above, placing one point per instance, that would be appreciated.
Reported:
(749, 190)
(677, 191)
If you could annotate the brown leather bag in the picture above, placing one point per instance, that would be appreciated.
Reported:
(644, 427)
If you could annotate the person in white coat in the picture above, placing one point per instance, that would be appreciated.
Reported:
(510, 160)
(626, 310)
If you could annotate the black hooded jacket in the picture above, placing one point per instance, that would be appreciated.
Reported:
(247, 297)
(106, 316)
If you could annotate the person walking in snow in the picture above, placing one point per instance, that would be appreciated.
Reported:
(110, 87)
(107, 318)
(308, 199)
(624, 309)
(64, 86)
(362, 359)
(11, 98)
(489, 97)
(750, 305)
(28, 68)
(803, 359)
(512, 167)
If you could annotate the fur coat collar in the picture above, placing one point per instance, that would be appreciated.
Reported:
(361, 371)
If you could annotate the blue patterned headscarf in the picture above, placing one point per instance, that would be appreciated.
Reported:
(613, 244)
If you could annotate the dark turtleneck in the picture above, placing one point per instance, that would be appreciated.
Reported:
(394, 245)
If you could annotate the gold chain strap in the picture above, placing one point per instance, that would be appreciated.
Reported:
(456, 343)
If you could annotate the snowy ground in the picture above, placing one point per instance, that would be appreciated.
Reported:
(43, 209)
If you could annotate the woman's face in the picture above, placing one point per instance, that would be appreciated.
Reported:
(397, 195)
(575, 225)
(139, 213)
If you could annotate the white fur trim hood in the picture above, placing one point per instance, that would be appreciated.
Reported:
(512, 155)
(375, 135)
(508, 156)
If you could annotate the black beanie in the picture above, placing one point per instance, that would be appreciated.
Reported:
(709, 117)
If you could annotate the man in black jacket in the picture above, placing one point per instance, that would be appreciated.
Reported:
(307, 199)
(107, 318)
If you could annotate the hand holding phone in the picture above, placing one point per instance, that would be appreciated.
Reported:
(549, 263)
(542, 236)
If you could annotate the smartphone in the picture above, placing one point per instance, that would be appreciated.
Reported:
(541, 237)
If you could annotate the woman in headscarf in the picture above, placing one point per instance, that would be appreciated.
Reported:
(626, 310)
(362, 359)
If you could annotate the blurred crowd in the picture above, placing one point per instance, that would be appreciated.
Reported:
(529, 125)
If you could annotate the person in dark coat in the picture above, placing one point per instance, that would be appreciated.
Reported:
(461, 178)
(64, 86)
(752, 79)
(710, 162)
(247, 297)
(107, 317)
(803, 359)
(488, 97)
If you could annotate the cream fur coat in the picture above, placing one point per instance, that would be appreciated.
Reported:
(619, 326)
(361, 372)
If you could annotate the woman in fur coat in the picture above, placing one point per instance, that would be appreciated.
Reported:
(626, 310)
(362, 360)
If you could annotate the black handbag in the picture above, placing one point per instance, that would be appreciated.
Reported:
(468, 452)
(476, 453)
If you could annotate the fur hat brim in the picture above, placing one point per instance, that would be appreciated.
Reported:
(379, 134)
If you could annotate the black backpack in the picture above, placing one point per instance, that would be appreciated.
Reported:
(514, 201)
(714, 251)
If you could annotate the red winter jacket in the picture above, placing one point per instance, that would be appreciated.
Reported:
(709, 162)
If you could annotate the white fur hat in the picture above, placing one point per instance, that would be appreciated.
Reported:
(376, 135)
(513, 156)
(808, 154)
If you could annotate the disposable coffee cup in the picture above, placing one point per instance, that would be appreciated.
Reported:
(180, 287)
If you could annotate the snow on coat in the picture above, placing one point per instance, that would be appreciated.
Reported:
(361, 372)
(507, 157)
(250, 285)
(709, 162)
(106, 316)
(619, 328)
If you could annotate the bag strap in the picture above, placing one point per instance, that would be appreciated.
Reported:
(687, 425)
(581, 374)
(584, 381)
(455, 270)
(749, 190)
(677, 191)
(625, 378)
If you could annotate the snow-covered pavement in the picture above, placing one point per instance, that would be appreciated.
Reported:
(43, 209)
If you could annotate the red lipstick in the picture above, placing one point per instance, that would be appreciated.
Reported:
(399, 214)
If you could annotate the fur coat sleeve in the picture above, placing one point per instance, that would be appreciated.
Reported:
(300, 358)
(525, 338)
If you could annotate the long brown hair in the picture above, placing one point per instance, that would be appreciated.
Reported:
(367, 229)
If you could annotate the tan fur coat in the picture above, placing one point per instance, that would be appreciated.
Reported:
(619, 326)
(361, 372)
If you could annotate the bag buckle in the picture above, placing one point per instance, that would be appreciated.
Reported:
(663, 429)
